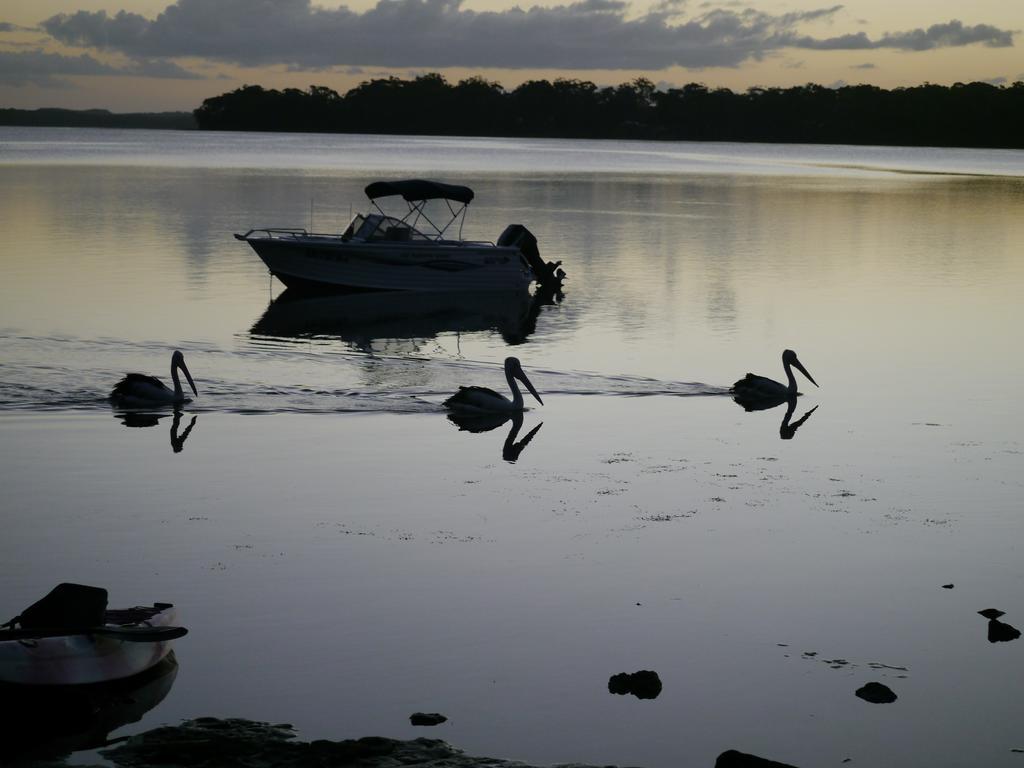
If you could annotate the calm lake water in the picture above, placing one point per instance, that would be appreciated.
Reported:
(345, 556)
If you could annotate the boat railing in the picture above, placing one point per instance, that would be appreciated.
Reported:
(286, 232)
(289, 232)
(296, 231)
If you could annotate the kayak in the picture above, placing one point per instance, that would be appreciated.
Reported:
(71, 638)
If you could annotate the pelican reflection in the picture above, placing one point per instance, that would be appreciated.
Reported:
(485, 422)
(136, 419)
(788, 428)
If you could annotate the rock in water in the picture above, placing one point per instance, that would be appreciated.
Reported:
(992, 613)
(734, 759)
(427, 718)
(643, 684)
(1000, 632)
(876, 693)
(211, 743)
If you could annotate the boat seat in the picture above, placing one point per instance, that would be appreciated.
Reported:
(398, 234)
(67, 605)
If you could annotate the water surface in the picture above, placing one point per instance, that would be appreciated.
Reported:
(344, 555)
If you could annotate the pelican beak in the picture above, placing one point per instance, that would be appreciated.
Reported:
(522, 377)
(184, 369)
(800, 367)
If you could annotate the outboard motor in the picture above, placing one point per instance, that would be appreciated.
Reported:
(547, 273)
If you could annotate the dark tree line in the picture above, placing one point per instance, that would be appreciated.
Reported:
(97, 118)
(964, 114)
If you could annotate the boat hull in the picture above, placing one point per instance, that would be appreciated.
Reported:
(81, 659)
(309, 262)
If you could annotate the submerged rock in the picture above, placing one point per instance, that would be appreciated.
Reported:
(734, 759)
(876, 693)
(643, 684)
(427, 718)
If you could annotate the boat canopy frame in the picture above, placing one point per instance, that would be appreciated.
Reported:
(417, 193)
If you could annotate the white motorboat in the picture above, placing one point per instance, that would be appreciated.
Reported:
(379, 251)
(70, 638)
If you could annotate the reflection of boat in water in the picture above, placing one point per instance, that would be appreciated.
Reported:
(408, 253)
(141, 419)
(70, 637)
(51, 721)
(485, 422)
(362, 318)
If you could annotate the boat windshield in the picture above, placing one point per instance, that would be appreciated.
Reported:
(434, 219)
(376, 227)
(354, 226)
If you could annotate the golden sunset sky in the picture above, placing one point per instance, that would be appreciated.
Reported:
(152, 55)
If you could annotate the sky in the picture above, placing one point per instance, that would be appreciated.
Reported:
(155, 55)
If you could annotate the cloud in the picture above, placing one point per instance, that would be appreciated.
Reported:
(6, 26)
(865, 65)
(47, 70)
(671, 7)
(158, 68)
(995, 80)
(586, 34)
(8, 44)
(950, 35)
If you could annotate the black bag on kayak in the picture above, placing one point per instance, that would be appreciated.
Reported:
(71, 606)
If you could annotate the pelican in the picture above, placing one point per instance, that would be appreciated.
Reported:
(137, 390)
(484, 400)
(757, 392)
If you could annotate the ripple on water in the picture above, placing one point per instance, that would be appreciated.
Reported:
(63, 373)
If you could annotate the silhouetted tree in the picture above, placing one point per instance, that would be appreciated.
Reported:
(964, 114)
(478, 107)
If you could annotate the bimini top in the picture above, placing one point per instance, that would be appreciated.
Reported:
(412, 190)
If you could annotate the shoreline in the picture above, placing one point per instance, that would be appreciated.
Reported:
(209, 742)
